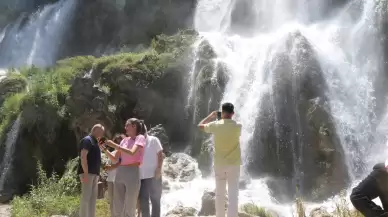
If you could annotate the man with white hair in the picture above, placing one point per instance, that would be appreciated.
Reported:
(89, 170)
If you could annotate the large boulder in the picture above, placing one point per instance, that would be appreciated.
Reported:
(88, 105)
(180, 167)
(295, 141)
(159, 132)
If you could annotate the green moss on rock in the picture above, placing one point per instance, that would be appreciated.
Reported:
(13, 83)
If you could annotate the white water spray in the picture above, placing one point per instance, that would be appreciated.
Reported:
(347, 47)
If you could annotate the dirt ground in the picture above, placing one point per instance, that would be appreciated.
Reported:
(5, 210)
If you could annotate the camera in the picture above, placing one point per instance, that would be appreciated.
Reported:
(218, 115)
(102, 140)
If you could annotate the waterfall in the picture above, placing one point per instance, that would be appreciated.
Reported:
(36, 39)
(6, 164)
(302, 77)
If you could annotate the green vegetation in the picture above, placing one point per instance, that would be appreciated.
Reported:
(43, 97)
(253, 209)
(54, 195)
(51, 195)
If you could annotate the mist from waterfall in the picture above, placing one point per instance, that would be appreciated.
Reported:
(10, 143)
(36, 39)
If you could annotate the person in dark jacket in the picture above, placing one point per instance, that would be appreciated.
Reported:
(373, 186)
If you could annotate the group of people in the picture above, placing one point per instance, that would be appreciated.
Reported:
(134, 174)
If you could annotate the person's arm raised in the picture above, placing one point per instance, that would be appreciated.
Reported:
(205, 122)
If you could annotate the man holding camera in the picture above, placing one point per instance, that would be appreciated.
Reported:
(227, 157)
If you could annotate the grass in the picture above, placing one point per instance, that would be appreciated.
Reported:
(253, 209)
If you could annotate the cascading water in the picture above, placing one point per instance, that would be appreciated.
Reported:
(6, 164)
(35, 40)
(302, 76)
(30, 40)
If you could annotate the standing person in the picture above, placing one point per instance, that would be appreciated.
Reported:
(150, 175)
(227, 157)
(112, 169)
(89, 170)
(127, 180)
(373, 186)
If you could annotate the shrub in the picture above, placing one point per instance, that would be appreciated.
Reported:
(8, 113)
(253, 209)
(51, 195)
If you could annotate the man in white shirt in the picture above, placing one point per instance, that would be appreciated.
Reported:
(150, 174)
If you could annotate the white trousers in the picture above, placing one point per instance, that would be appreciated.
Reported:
(227, 175)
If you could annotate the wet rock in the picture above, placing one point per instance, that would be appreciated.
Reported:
(11, 85)
(181, 211)
(159, 132)
(180, 167)
(6, 196)
(208, 204)
(319, 212)
(295, 140)
(206, 50)
(88, 105)
(165, 185)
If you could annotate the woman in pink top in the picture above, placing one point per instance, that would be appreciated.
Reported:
(127, 179)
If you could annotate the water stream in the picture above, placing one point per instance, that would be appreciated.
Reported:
(6, 164)
(35, 39)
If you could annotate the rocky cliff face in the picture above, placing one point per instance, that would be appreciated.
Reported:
(100, 26)
(64, 101)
